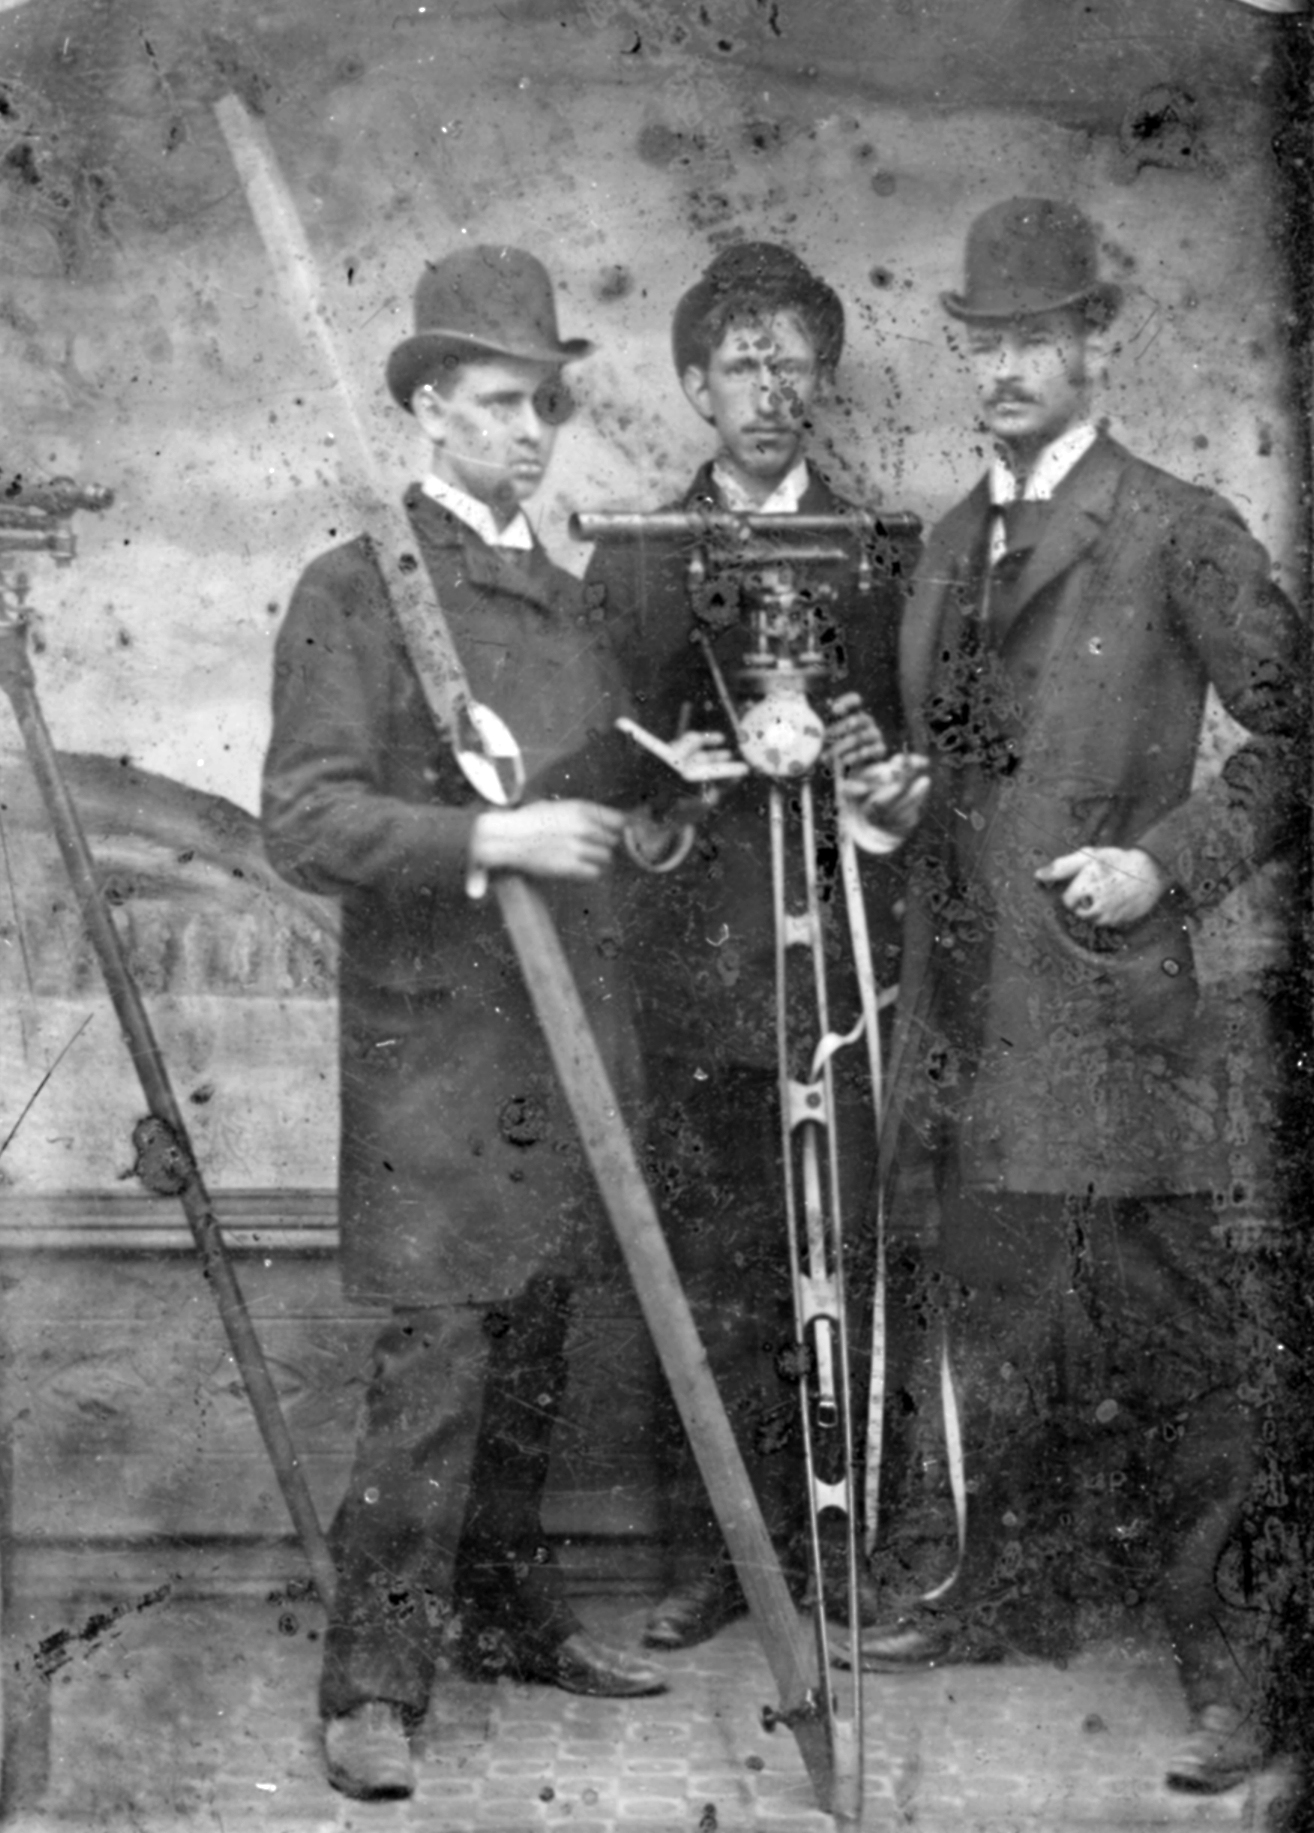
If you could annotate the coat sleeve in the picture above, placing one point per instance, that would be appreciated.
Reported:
(1253, 648)
(332, 819)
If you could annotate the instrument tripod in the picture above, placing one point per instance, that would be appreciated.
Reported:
(767, 573)
(39, 521)
(814, 1226)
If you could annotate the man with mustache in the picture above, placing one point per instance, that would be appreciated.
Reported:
(755, 343)
(1050, 1078)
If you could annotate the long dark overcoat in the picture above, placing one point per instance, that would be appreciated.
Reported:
(1049, 1055)
(460, 1173)
(703, 938)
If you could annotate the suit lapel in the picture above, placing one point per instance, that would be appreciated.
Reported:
(946, 574)
(1082, 505)
(514, 572)
(510, 571)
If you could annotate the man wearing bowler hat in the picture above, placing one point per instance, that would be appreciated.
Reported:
(465, 1205)
(1051, 1099)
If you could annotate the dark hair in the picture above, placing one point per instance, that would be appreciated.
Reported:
(748, 281)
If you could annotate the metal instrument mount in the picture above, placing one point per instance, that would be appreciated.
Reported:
(767, 573)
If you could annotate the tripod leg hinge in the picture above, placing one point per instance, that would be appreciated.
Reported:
(831, 1495)
(807, 1101)
(806, 1713)
(818, 1299)
(163, 1163)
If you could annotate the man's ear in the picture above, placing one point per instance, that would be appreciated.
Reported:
(430, 412)
(1096, 357)
(694, 384)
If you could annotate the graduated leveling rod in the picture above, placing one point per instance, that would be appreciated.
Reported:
(804, 1707)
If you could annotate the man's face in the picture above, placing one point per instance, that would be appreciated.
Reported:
(489, 434)
(1032, 376)
(756, 390)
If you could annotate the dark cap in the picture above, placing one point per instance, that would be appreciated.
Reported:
(1030, 255)
(484, 299)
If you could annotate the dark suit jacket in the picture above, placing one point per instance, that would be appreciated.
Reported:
(1046, 1054)
(702, 939)
(460, 1172)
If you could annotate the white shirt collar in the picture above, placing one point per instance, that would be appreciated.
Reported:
(479, 516)
(783, 501)
(1051, 467)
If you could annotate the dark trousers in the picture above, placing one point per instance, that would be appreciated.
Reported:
(715, 1160)
(1098, 1349)
(442, 1511)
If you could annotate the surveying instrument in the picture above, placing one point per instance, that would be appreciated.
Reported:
(763, 589)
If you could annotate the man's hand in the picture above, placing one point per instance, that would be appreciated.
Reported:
(853, 739)
(704, 757)
(547, 839)
(1110, 886)
(699, 757)
(890, 794)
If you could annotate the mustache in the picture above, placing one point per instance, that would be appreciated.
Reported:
(1000, 395)
(499, 464)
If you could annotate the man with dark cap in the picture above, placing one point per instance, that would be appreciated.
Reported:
(1050, 1076)
(465, 1205)
(755, 341)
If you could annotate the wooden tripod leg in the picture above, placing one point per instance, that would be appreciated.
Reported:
(584, 1081)
(17, 682)
(814, 1226)
(25, 1709)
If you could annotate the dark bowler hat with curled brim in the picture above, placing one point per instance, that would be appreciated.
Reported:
(1030, 255)
(482, 300)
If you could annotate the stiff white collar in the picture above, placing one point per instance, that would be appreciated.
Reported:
(783, 501)
(479, 516)
(1051, 467)
(1041, 481)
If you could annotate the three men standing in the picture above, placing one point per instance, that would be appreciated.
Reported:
(1067, 622)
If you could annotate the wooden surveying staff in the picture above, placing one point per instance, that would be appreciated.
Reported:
(556, 1001)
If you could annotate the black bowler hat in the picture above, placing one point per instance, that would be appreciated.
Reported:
(1031, 255)
(495, 301)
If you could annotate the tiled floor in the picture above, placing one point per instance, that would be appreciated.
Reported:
(200, 1715)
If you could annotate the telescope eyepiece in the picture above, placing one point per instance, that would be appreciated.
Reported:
(55, 496)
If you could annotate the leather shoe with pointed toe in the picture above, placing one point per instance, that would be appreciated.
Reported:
(1222, 1748)
(924, 1639)
(367, 1754)
(695, 1611)
(582, 1664)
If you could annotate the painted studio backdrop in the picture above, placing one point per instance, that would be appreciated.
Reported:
(142, 347)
